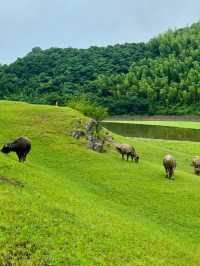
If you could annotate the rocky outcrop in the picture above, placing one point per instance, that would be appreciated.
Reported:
(95, 142)
(91, 132)
(77, 134)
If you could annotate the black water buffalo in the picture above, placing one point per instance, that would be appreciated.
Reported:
(169, 165)
(196, 164)
(128, 150)
(21, 146)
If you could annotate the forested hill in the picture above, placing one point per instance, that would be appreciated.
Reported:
(159, 77)
(45, 76)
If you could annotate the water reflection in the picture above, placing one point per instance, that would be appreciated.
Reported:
(153, 132)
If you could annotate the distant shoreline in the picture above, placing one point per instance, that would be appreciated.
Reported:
(194, 118)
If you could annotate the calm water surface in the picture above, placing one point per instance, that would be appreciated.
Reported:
(153, 132)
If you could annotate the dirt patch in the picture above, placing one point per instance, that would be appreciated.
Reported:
(10, 181)
(20, 253)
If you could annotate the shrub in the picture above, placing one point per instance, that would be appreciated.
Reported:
(88, 108)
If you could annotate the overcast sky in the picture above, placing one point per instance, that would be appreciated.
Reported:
(25, 24)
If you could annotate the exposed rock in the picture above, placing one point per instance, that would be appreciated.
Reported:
(95, 144)
(94, 141)
(91, 127)
(76, 134)
(91, 133)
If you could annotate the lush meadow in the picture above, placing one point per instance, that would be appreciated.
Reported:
(68, 205)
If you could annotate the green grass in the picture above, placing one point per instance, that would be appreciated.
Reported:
(183, 124)
(78, 207)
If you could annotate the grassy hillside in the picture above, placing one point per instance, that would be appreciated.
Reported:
(68, 205)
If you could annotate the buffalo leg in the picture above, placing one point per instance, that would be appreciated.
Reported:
(21, 157)
(127, 156)
(122, 156)
(171, 172)
(197, 171)
(24, 157)
(166, 171)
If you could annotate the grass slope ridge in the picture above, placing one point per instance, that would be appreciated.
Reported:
(78, 207)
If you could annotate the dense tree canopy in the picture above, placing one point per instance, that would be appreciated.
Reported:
(159, 77)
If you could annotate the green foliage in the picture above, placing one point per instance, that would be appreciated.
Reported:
(88, 108)
(159, 77)
(45, 75)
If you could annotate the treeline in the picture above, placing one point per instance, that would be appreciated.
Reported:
(47, 76)
(159, 77)
(165, 82)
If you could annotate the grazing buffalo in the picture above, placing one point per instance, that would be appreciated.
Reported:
(196, 164)
(170, 165)
(128, 150)
(21, 146)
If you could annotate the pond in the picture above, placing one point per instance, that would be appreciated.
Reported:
(152, 131)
